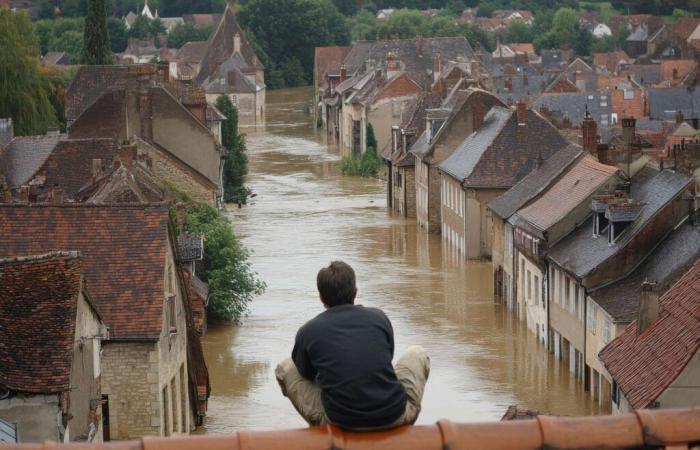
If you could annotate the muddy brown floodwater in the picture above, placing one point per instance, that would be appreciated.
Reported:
(305, 215)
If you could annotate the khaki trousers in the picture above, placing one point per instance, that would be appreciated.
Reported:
(412, 371)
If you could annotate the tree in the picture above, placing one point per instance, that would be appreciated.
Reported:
(141, 28)
(584, 41)
(96, 47)
(403, 23)
(236, 163)
(518, 31)
(188, 32)
(564, 26)
(363, 26)
(24, 93)
(118, 35)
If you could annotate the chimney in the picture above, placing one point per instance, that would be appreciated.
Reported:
(589, 129)
(419, 44)
(648, 306)
(7, 195)
(237, 42)
(679, 117)
(24, 194)
(58, 196)
(628, 128)
(181, 216)
(343, 73)
(33, 193)
(164, 71)
(521, 112)
(436, 67)
(96, 167)
(478, 114)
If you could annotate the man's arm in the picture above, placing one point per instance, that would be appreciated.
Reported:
(301, 357)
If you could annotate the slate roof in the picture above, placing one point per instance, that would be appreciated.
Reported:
(535, 182)
(233, 73)
(190, 247)
(53, 58)
(582, 180)
(665, 102)
(519, 87)
(124, 184)
(572, 105)
(191, 52)
(579, 253)
(123, 248)
(220, 47)
(645, 365)
(25, 155)
(646, 74)
(673, 256)
(201, 19)
(38, 310)
(6, 131)
(552, 60)
(502, 152)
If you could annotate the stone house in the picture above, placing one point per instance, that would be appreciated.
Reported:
(568, 110)
(655, 362)
(608, 245)
(152, 360)
(327, 63)
(50, 349)
(446, 128)
(611, 62)
(231, 67)
(614, 306)
(185, 64)
(505, 206)
(546, 220)
(507, 146)
(168, 122)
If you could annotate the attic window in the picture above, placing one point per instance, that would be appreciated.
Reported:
(615, 230)
(170, 313)
(628, 94)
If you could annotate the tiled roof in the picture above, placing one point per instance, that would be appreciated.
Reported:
(327, 57)
(579, 253)
(24, 155)
(610, 60)
(665, 102)
(502, 151)
(232, 72)
(572, 105)
(220, 46)
(133, 184)
(38, 310)
(202, 19)
(581, 181)
(190, 247)
(511, 89)
(123, 248)
(669, 260)
(53, 58)
(535, 182)
(659, 429)
(623, 212)
(191, 52)
(645, 365)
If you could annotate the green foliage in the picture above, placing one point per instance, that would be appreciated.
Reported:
(141, 28)
(188, 32)
(584, 41)
(363, 26)
(518, 31)
(24, 92)
(475, 35)
(367, 165)
(402, 24)
(96, 47)
(61, 35)
(57, 83)
(236, 163)
(658, 7)
(118, 35)
(679, 13)
(287, 31)
(564, 30)
(370, 139)
(232, 282)
(175, 8)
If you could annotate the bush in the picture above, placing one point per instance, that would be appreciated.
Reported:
(232, 282)
(367, 165)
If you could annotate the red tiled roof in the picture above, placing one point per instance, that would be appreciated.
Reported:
(645, 365)
(645, 429)
(38, 304)
(326, 57)
(123, 248)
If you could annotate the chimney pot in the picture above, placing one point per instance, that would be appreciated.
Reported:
(648, 306)
(679, 117)
(420, 45)
(24, 193)
(33, 193)
(343, 73)
(521, 112)
(589, 129)
(58, 196)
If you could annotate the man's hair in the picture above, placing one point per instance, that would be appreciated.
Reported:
(336, 284)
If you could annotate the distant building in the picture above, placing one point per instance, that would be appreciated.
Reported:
(50, 349)
(55, 59)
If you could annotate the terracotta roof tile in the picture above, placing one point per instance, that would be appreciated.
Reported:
(191, 52)
(38, 304)
(645, 365)
(326, 58)
(123, 249)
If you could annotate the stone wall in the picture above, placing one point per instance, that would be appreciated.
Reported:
(453, 206)
(409, 176)
(36, 416)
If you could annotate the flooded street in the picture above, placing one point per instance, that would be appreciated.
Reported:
(305, 215)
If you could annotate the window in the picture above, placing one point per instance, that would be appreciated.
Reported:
(234, 100)
(628, 94)
(615, 393)
(592, 319)
(567, 287)
(574, 304)
(607, 328)
(170, 314)
(166, 415)
(555, 290)
(522, 275)
(529, 285)
(173, 410)
(183, 399)
(537, 288)
(396, 109)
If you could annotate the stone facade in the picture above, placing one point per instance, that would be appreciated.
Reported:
(403, 190)
(250, 106)
(566, 319)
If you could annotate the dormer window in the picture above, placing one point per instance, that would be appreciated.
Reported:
(600, 222)
(621, 216)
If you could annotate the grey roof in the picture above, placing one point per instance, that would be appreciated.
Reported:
(521, 86)
(646, 74)
(535, 183)
(572, 105)
(24, 156)
(421, 147)
(190, 247)
(463, 161)
(191, 52)
(665, 102)
(579, 253)
(6, 131)
(552, 59)
(667, 262)
(625, 212)
(641, 34)
(231, 76)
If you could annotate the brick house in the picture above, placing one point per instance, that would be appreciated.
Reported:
(502, 151)
(231, 67)
(327, 63)
(628, 97)
(446, 127)
(168, 123)
(655, 362)
(152, 370)
(50, 347)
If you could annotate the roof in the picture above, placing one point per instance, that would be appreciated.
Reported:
(123, 248)
(610, 60)
(665, 102)
(502, 152)
(673, 256)
(190, 247)
(326, 58)
(128, 183)
(202, 19)
(645, 365)
(573, 105)
(641, 429)
(535, 182)
(220, 46)
(646, 74)
(582, 180)
(579, 253)
(38, 310)
(191, 52)
(53, 58)
(24, 155)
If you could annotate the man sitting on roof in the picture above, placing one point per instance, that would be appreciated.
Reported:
(340, 371)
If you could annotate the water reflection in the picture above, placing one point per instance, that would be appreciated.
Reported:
(305, 214)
